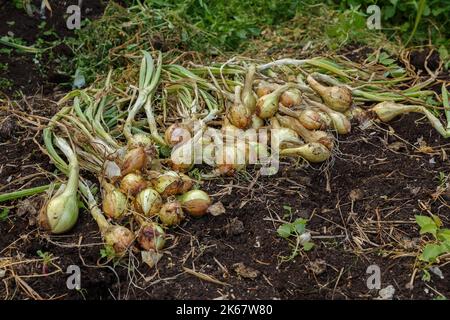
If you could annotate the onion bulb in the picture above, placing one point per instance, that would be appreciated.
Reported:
(132, 183)
(195, 202)
(119, 238)
(248, 97)
(134, 161)
(186, 183)
(387, 110)
(238, 114)
(291, 97)
(312, 152)
(338, 98)
(148, 202)
(340, 121)
(264, 88)
(267, 105)
(311, 119)
(177, 133)
(171, 213)
(167, 184)
(140, 140)
(60, 213)
(309, 136)
(229, 159)
(114, 202)
(151, 236)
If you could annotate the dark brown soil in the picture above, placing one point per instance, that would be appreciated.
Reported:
(30, 73)
(393, 181)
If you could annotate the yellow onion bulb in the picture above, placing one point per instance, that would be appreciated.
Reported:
(230, 159)
(151, 236)
(177, 133)
(148, 202)
(119, 238)
(313, 152)
(388, 110)
(238, 114)
(264, 88)
(267, 106)
(167, 184)
(134, 161)
(338, 98)
(291, 97)
(132, 183)
(114, 201)
(171, 213)
(195, 202)
(248, 97)
(140, 140)
(311, 119)
(256, 122)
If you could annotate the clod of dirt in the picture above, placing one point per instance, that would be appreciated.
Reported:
(317, 266)
(234, 227)
(151, 257)
(356, 194)
(29, 206)
(245, 272)
(7, 128)
(386, 293)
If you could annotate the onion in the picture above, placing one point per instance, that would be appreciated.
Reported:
(171, 213)
(140, 140)
(229, 159)
(238, 114)
(151, 236)
(311, 120)
(309, 136)
(248, 97)
(60, 213)
(167, 184)
(186, 183)
(182, 157)
(312, 152)
(291, 97)
(338, 98)
(387, 110)
(264, 88)
(195, 202)
(132, 183)
(284, 137)
(114, 202)
(340, 121)
(267, 105)
(134, 161)
(148, 202)
(119, 238)
(177, 133)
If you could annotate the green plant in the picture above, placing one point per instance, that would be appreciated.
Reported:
(299, 239)
(4, 214)
(440, 244)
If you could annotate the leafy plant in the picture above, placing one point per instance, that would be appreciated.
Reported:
(441, 238)
(4, 213)
(295, 232)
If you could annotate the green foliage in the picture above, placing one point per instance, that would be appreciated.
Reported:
(414, 20)
(441, 243)
(293, 231)
(4, 213)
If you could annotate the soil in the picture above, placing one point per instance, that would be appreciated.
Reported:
(26, 72)
(360, 207)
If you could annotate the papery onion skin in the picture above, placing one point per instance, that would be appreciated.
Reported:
(264, 88)
(171, 213)
(248, 97)
(148, 202)
(195, 202)
(114, 202)
(338, 98)
(151, 236)
(140, 140)
(132, 183)
(167, 184)
(233, 160)
(267, 106)
(119, 238)
(256, 122)
(134, 161)
(238, 114)
(388, 110)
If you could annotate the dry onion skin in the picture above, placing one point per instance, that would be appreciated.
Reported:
(134, 161)
(148, 202)
(151, 236)
(167, 184)
(312, 152)
(132, 183)
(114, 202)
(171, 213)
